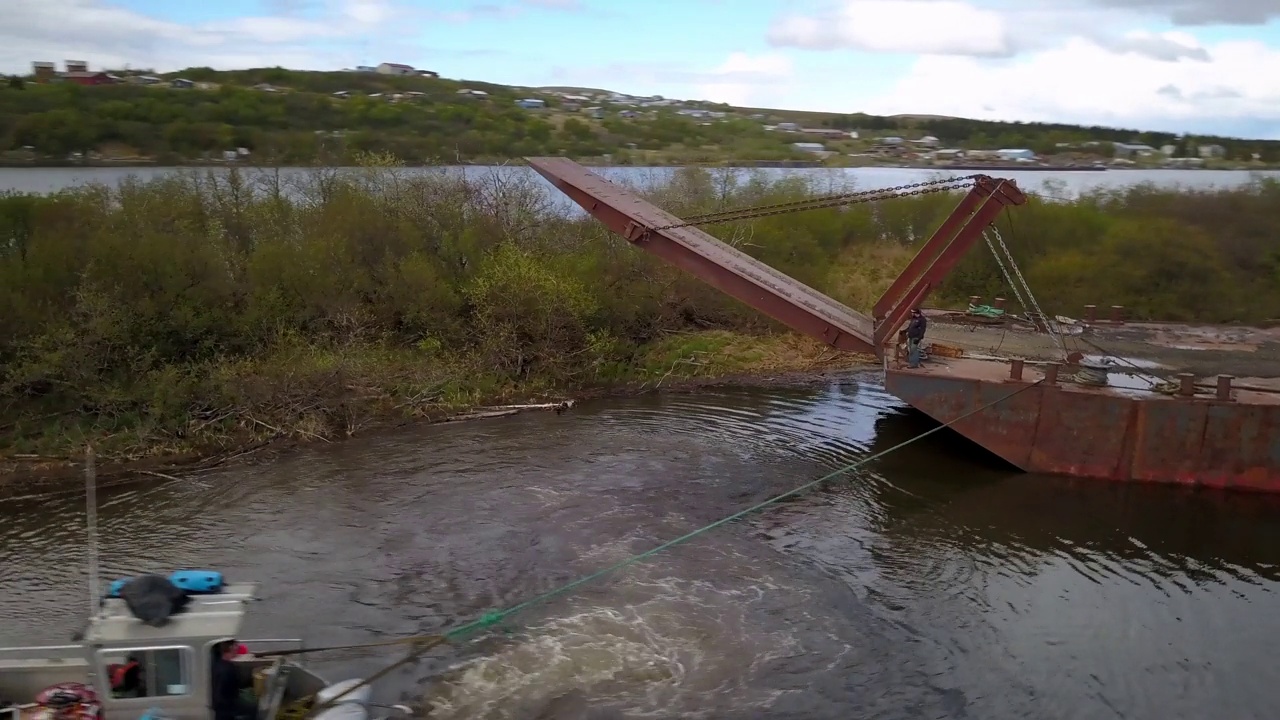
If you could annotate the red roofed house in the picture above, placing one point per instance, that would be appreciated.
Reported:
(88, 77)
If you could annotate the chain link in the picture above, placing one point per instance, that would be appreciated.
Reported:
(1016, 280)
(826, 201)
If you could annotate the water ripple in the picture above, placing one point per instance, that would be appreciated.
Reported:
(922, 584)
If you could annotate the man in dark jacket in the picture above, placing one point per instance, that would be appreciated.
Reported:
(915, 335)
(226, 685)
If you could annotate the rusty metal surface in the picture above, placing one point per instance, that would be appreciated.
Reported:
(1104, 433)
(733, 272)
(943, 251)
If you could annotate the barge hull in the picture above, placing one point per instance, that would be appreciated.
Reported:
(1100, 433)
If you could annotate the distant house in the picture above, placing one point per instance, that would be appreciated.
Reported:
(266, 87)
(1016, 155)
(1126, 151)
(44, 71)
(594, 112)
(927, 141)
(532, 103)
(145, 80)
(629, 114)
(788, 127)
(181, 84)
(428, 74)
(342, 94)
(891, 145)
(1210, 152)
(477, 94)
(832, 133)
(395, 69)
(809, 147)
(89, 78)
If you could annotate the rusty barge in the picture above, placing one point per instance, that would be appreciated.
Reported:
(1073, 415)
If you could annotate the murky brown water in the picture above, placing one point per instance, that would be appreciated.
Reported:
(928, 586)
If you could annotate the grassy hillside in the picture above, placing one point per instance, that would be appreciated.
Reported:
(297, 117)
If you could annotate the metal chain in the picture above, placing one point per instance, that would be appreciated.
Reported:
(825, 201)
(1028, 303)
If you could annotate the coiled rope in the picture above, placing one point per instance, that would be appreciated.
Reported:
(493, 617)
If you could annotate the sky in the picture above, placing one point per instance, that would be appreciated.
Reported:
(1195, 66)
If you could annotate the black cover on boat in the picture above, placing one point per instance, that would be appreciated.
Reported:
(153, 598)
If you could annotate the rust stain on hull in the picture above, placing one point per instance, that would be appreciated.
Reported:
(1103, 434)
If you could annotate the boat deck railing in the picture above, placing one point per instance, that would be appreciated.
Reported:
(11, 713)
(275, 644)
(42, 652)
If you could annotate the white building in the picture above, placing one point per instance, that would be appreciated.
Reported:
(1017, 155)
(396, 69)
(809, 147)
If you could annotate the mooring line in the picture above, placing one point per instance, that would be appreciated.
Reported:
(424, 643)
(494, 617)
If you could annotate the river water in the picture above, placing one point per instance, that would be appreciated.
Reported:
(1061, 185)
(929, 584)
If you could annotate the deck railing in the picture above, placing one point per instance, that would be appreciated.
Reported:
(289, 643)
(42, 652)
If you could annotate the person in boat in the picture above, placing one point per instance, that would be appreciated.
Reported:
(126, 678)
(226, 684)
(915, 335)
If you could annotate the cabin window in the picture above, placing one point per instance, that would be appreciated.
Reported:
(147, 672)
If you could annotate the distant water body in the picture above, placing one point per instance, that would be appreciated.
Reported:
(1062, 185)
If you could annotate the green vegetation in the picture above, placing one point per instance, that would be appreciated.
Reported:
(329, 118)
(200, 312)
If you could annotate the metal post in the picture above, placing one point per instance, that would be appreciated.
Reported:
(1051, 374)
(1186, 384)
(91, 525)
(1091, 314)
(1015, 368)
(1117, 314)
(1224, 386)
(998, 303)
(975, 301)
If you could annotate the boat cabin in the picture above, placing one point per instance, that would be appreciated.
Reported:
(129, 668)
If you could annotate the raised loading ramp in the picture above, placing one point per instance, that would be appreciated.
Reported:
(731, 271)
(784, 298)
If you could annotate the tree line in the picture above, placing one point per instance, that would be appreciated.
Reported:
(151, 310)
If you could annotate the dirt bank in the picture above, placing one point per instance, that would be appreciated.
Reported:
(30, 475)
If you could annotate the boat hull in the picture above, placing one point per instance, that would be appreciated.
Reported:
(1068, 429)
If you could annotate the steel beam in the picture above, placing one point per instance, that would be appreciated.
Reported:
(943, 236)
(729, 270)
(943, 252)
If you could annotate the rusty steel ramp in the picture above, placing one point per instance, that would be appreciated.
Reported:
(729, 270)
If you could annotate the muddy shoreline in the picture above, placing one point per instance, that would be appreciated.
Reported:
(35, 476)
(1251, 355)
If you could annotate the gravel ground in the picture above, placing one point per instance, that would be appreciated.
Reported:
(1251, 354)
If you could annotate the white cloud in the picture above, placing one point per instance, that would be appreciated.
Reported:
(1203, 12)
(739, 78)
(1083, 81)
(939, 27)
(105, 34)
